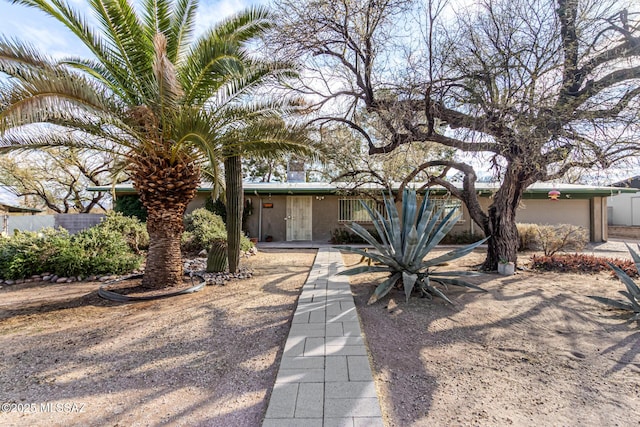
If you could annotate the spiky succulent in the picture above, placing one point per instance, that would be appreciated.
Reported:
(632, 293)
(405, 243)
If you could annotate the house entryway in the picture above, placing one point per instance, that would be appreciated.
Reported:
(299, 222)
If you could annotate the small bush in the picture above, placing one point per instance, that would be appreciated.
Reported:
(134, 231)
(462, 238)
(561, 238)
(579, 263)
(202, 227)
(551, 238)
(342, 236)
(527, 237)
(96, 250)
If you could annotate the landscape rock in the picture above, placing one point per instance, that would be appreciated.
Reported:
(9, 282)
(62, 280)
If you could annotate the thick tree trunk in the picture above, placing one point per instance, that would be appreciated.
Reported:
(164, 259)
(165, 186)
(500, 222)
(235, 204)
(503, 244)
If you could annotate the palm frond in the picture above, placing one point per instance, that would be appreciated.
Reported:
(181, 29)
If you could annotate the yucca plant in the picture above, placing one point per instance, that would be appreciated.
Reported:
(632, 293)
(404, 243)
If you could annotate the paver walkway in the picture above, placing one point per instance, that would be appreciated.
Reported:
(324, 377)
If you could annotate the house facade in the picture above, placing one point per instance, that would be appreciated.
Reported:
(306, 211)
(313, 211)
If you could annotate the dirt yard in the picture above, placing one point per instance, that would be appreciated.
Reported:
(534, 350)
(70, 358)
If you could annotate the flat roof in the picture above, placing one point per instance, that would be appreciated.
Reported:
(537, 190)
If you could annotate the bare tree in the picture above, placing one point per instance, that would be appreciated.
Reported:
(57, 179)
(539, 87)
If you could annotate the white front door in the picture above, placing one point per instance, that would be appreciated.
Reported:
(299, 218)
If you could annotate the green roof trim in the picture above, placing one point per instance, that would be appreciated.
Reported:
(536, 191)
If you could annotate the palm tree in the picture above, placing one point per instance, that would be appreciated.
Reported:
(147, 96)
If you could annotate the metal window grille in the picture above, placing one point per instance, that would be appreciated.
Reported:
(351, 210)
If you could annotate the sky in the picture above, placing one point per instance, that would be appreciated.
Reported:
(45, 33)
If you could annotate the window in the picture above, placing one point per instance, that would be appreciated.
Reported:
(448, 205)
(351, 210)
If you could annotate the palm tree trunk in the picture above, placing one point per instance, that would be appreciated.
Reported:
(164, 259)
(166, 186)
(235, 199)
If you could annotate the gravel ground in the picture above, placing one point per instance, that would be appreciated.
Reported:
(70, 358)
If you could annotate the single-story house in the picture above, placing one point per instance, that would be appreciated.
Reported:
(313, 211)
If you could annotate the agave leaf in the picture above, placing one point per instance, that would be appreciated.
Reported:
(409, 204)
(458, 282)
(383, 288)
(395, 234)
(425, 206)
(441, 230)
(408, 280)
(383, 259)
(628, 281)
(457, 253)
(632, 300)
(635, 256)
(378, 223)
(410, 248)
(612, 302)
(362, 232)
(425, 229)
(436, 291)
(455, 273)
(365, 269)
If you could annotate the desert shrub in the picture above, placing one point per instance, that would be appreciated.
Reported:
(342, 236)
(92, 251)
(134, 231)
(462, 238)
(561, 238)
(217, 207)
(130, 205)
(551, 238)
(527, 237)
(24, 253)
(202, 227)
(580, 263)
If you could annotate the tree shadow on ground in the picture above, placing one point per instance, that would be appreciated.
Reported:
(523, 331)
(208, 358)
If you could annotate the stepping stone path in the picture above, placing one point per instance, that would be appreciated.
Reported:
(325, 378)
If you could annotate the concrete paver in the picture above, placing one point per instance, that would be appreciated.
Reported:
(325, 378)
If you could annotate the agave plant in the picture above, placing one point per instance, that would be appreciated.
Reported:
(632, 293)
(405, 243)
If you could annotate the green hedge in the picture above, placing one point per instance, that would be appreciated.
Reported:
(97, 250)
(202, 227)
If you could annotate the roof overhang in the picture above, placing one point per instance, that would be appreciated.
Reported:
(536, 191)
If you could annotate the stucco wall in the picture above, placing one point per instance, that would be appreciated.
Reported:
(580, 212)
